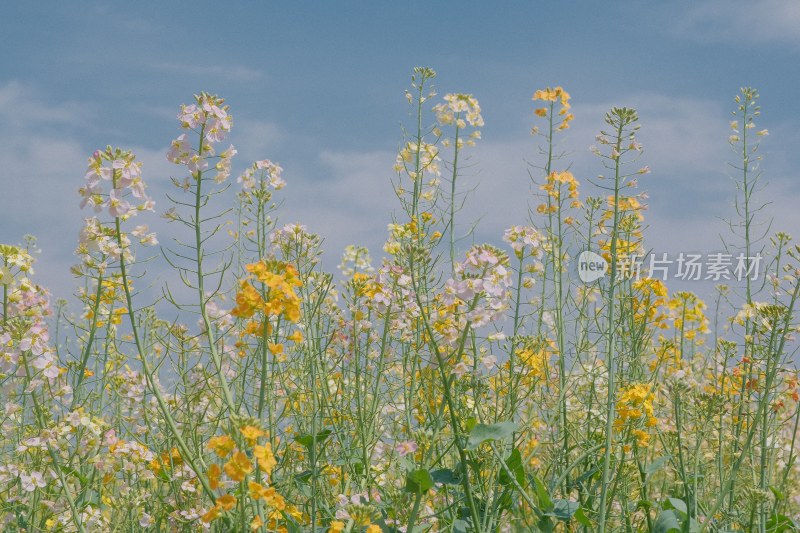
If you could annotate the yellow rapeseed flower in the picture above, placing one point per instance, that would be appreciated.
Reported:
(227, 502)
(214, 472)
(251, 434)
(257, 490)
(238, 467)
(211, 515)
(264, 456)
(221, 445)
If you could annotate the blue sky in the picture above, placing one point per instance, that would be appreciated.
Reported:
(319, 88)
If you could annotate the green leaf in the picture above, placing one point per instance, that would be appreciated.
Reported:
(304, 476)
(541, 494)
(307, 441)
(481, 433)
(781, 524)
(445, 476)
(460, 526)
(419, 481)
(505, 502)
(582, 519)
(778, 494)
(584, 477)
(292, 527)
(470, 423)
(564, 509)
(514, 465)
(73, 472)
(655, 466)
(677, 504)
(667, 522)
(546, 525)
(407, 463)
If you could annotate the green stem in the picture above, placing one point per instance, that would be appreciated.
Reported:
(610, 339)
(149, 375)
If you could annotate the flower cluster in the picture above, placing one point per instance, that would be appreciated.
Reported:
(553, 187)
(526, 241)
(747, 110)
(101, 304)
(100, 242)
(262, 174)
(208, 113)
(25, 348)
(636, 402)
(688, 315)
(533, 357)
(96, 237)
(459, 110)
(649, 297)
(360, 509)
(629, 241)
(401, 235)
(356, 259)
(553, 96)
(392, 289)
(123, 174)
(296, 244)
(280, 280)
(429, 160)
(635, 411)
(223, 166)
(481, 285)
(209, 118)
(240, 468)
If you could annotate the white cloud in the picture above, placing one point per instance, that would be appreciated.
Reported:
(351, 205)
(256, 139)
(21, 107)
(741, 21)
(238, 73)
(39, 183)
